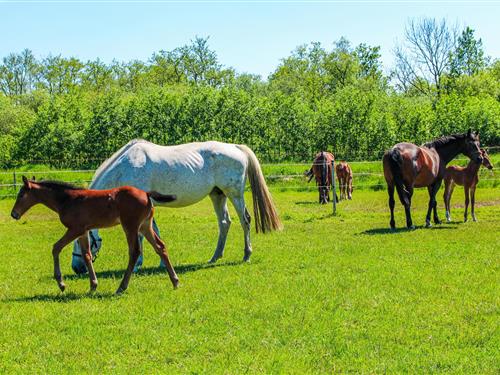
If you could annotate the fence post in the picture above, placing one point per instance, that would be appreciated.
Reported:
(15, 183)
(334, 192)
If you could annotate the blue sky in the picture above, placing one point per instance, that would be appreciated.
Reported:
(251, 37)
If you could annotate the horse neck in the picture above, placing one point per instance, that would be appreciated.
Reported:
(49, 197)
(472, 167)
(448, 151)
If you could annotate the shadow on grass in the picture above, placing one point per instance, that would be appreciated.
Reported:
(115, 274)
(180, 270)
(308, 203)
(376, 231)
(62, 297)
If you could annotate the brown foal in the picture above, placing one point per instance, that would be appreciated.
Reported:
(466, 177)
(344, 175)
(82, 209)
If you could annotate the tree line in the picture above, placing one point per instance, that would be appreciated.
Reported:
(66, 112)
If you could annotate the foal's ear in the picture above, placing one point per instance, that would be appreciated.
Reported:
(33, 178)
(26, 182)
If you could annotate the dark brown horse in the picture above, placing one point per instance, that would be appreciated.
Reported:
(344, 175)
(321, 170)
(407, 166)
(466, 177)
(82, 209)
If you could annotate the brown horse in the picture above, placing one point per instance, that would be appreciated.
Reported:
(344, 175)
(321, 170)
(82, 209)
(466, 177)
(407, 166)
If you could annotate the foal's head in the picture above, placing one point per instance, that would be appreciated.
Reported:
(486, 159)
(472, 147)
(25, 199)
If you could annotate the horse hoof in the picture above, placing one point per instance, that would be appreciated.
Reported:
(428, 225)
(62, 286)
(175, 284)
(438, 222)
(412, 227)
(119, 291)
(93, 287)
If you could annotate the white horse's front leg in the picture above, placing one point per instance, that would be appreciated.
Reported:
(219, 201)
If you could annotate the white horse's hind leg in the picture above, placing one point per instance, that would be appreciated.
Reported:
(239, 205)
(219, 200)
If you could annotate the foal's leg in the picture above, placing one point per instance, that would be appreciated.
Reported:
(472, 201)
(219, 201)
(349, 187)
(69, 236)
(239, 205)
(160, 248)
(83, 241)
(134, 250)
(448, 190)
(466, 190)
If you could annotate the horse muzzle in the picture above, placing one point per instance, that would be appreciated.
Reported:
(15, 215)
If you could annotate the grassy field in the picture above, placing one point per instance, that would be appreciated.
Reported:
(326, 295)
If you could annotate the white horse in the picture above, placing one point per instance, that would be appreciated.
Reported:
(191, 172)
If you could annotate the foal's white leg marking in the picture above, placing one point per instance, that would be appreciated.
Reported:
(219, 201)
(239, 205)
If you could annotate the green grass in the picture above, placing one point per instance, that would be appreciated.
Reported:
(326, 295)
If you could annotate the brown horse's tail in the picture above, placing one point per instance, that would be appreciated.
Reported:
(162, 198)
(396, 165)
(266, 217)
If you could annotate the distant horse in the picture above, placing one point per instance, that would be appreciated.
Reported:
(321, 170)
(191, 172)
(466, 177)
(407, 166)
(82, 209)
(344, 175)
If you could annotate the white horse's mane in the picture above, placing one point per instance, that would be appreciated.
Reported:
(115, 156)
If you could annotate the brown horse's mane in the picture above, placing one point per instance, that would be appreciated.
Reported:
(444, 140)
(58, 185)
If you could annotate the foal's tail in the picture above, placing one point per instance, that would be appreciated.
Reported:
(396, 164)
(162, 198)
(266, 217)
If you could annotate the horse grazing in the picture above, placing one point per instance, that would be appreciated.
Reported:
(191, 172)
(82, 209)
(344, 175)
(466, 177)
(407, 166)
(321, 170)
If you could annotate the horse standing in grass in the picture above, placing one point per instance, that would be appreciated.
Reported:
(191, 172)
(81, 210)
(344, 175)
(407, 166)
(466, 177)
(321, 170)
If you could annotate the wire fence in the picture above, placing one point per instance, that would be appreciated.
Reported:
(283, 176)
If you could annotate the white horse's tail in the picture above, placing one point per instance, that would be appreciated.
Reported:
(266, 217)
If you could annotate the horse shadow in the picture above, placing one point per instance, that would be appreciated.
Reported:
(116, 274)
(376, 231)
(146, 271)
